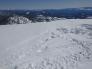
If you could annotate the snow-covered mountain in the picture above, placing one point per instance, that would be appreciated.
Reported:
(41, 18)
(62, 44)
(46, 15)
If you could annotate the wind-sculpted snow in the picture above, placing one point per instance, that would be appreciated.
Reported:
(58, 47)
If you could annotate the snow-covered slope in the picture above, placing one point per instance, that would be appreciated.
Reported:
(62, 44)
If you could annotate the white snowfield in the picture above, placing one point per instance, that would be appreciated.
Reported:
(62, 44)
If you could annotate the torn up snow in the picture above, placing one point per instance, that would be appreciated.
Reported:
(63, 44)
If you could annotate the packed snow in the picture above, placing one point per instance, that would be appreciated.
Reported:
(61, 44)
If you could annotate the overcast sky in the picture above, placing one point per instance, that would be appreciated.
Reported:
(43, 4)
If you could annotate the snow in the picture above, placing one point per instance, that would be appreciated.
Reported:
(61, 44)
(18, 20)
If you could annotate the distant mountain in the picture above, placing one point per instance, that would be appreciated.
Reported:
(87, 8)
(47, 14)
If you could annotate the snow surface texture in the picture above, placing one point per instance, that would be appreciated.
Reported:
(63, 44)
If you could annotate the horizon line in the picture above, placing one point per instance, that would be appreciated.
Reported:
(42, 8)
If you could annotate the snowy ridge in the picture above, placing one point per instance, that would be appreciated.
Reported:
(63, 44)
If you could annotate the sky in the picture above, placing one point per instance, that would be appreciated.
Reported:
(44, 4)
